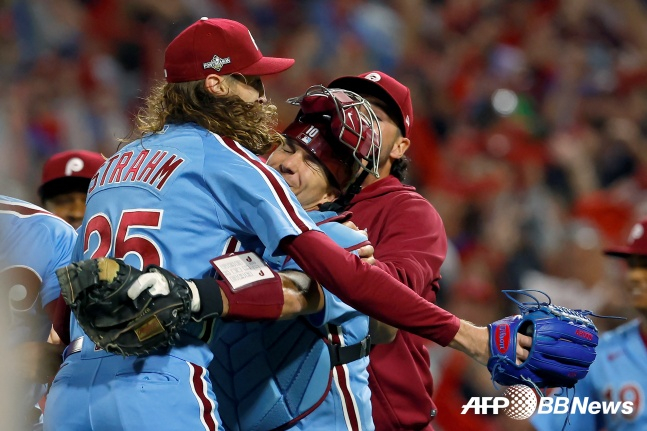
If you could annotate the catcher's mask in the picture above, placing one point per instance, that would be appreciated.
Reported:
(340, 129)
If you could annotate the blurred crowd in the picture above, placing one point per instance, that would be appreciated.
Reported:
(529, 136)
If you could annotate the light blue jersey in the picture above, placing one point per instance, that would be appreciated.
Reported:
(270, 374)
(172, 199)
(33, 244)
(618, 374)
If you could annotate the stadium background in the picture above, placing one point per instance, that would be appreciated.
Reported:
(529, 137)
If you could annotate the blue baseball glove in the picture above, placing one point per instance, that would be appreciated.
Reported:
(563, 345)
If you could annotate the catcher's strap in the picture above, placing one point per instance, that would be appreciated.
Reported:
(563, 345)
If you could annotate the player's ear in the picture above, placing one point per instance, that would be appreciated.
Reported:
(216, 85)
(399, 148)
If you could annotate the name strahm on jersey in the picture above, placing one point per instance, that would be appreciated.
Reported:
(551, 405)
(154, 170)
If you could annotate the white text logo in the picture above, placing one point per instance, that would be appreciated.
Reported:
(520, 402)
(561, 405)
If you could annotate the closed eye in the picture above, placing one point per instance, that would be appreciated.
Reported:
(288, 147)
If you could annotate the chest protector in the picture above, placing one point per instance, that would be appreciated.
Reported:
(270, 375)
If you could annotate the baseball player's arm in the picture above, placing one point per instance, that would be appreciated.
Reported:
(61, 320)
(413, 252)
(369, 289)
(300, 295)
(381, 333)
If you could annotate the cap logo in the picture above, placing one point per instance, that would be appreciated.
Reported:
(307, 136)
(636, 232)
(73, 165)
(406, 120)
(304, 138)
(253, 41)
(216, 63)
(373, 77)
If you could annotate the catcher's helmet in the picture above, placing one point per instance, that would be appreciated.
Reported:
(340, 129)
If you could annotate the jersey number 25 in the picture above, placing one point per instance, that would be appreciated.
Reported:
(122, 242)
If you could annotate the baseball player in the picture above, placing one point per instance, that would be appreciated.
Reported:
(400, 377)
(619, 373)
(174, 198)
(320, 389)
(33, 243)
(65, 181)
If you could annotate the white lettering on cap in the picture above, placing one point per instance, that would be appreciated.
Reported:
(636, 232)
(73, 165)
(373, 77)
(253, 41)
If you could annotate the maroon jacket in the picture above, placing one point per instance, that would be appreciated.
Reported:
(410, 244)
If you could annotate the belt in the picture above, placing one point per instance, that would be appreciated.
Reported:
(344, 354)
(74, 347)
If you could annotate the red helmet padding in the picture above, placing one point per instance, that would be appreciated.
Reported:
(320, 103)
(335, 157)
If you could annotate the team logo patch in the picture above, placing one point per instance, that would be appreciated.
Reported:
(216, 63)
(73, 165)
(373, 77)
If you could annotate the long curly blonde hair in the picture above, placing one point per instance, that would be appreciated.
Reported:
(250, 124)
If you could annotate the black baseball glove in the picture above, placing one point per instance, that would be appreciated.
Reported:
(97, 292)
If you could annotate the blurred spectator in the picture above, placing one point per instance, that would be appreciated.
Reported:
(64, 184)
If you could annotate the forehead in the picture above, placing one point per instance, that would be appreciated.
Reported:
(380, 108)
(637, 274)
(308, 156)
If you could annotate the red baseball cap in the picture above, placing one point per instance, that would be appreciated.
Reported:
(70, 164)
(636, 244)
(218, 46)
(378, 84)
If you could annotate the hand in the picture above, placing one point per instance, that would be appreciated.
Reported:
(350, 224)
(366, 254)
(157, 285)
(524, 343)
